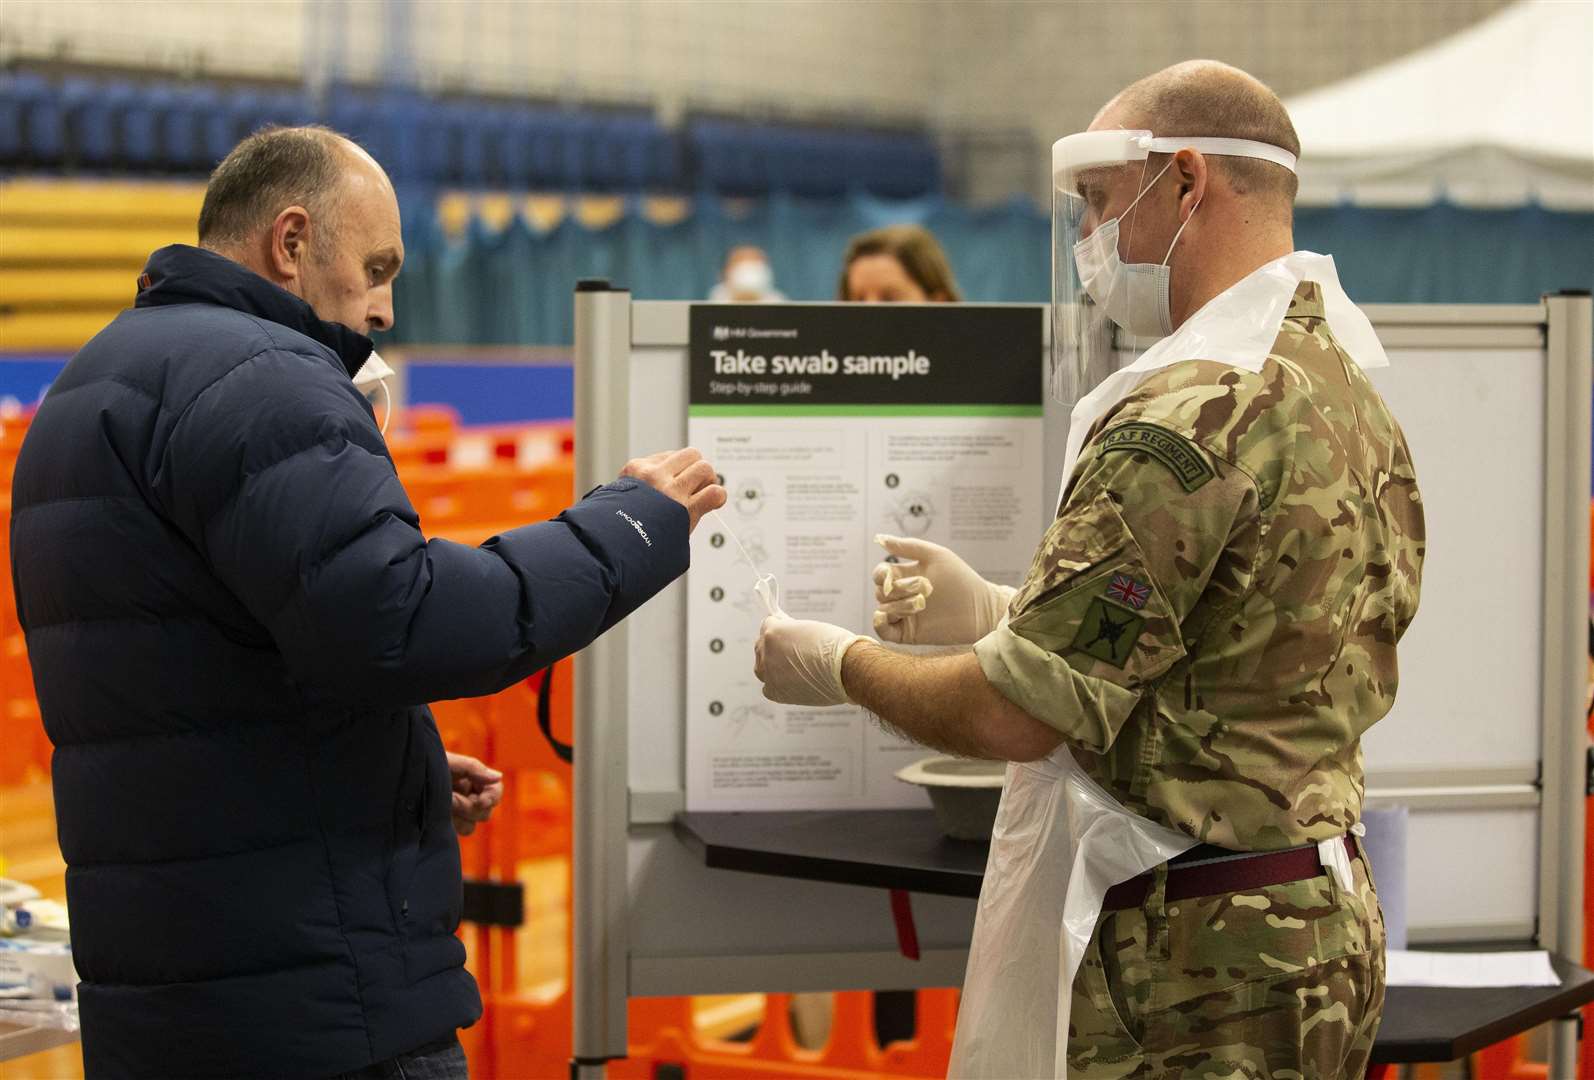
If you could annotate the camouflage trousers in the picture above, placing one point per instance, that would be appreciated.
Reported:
(1281, 982)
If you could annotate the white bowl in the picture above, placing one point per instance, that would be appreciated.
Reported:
(964, 792)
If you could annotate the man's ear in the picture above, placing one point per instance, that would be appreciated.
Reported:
(1191, 173)
(290, 235)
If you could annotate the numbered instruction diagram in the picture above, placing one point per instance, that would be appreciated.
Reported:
(830, 425)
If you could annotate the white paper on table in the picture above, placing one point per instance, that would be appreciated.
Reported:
(1403, 967)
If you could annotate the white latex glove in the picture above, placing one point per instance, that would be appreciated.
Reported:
(934, 599)
(799, 661)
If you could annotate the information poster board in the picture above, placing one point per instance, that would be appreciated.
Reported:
(830, 425)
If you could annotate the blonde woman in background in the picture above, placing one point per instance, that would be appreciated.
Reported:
(899, 264)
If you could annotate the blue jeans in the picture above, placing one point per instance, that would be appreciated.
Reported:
(442, 1060)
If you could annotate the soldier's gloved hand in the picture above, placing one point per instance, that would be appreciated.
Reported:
(799, 661)
(935, 598)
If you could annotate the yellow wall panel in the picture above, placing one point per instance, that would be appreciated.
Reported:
(45, 202)
(58, 331)
(24, 246)
(67, 288)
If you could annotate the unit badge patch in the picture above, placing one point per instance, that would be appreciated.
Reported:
(1108, 632)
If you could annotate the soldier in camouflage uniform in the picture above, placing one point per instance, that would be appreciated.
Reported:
(1234, 560)
(1210, 625)
(1211, 621)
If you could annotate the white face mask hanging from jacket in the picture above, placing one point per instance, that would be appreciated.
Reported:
(375, 372)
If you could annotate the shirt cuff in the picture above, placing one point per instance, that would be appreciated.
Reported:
(1086, 711)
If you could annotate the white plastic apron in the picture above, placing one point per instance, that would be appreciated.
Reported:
(1060, 840)
(1059, 844)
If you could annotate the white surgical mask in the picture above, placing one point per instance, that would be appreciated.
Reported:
(1133, 295)
(375, 372)
(750, 277)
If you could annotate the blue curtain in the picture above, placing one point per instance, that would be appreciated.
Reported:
(514, 286)
(1451, 255)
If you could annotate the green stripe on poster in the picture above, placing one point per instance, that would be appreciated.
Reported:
(865, 410)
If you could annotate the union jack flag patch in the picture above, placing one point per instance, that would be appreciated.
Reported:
(1126, 590)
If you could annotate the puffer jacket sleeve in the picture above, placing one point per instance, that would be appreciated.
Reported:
(278, 474)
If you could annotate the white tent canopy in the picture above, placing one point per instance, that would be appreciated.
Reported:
(1497, 115)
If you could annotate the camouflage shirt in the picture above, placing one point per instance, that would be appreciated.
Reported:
(1211, 621)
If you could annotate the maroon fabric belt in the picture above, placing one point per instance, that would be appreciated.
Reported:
(1228, 875)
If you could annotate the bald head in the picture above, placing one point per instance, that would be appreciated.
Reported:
(277, 167)
(1209, 98)
(314, 214)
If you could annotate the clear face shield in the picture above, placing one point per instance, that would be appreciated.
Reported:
(1095, 294)
(1083, 172)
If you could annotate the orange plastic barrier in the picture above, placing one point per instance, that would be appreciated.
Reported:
(1508, 1061)
(26, 754)
(11, 432)
(662, 1034)
(430, 419)
(525, 1027)
(430, 435)
(471, 505)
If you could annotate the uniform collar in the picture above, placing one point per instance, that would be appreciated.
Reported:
(1307, 303)
(1238, 328)
(180, 274)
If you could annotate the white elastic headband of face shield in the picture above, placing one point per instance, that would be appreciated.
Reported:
(1095, 149)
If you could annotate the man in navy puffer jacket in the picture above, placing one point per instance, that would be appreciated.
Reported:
(235, 624)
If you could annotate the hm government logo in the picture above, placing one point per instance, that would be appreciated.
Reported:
(722, 333)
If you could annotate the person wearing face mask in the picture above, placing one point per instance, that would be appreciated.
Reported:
(1175, 884)
(899, 264)
(746, 279)
(235, 623)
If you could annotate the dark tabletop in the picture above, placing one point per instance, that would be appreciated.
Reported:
(1426, 1023)
(903, 849)
(889, 849)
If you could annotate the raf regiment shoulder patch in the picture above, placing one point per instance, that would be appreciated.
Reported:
(1108, 632)
(1175, 451)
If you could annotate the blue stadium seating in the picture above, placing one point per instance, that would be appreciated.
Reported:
(556, 145)
(254, 111)
(515, 151)
(15, 93)
(222, 127)
(91, 110)
(615, 155)
(185, 127)
(44, 119)
(461, 136)
(666, 163)
(352, 114)
(497, 124)
(141, 126)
